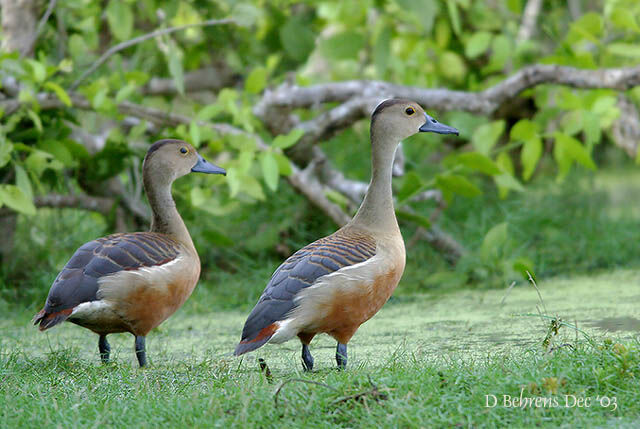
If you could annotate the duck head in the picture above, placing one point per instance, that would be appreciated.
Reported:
(396, 119)
(167, 160)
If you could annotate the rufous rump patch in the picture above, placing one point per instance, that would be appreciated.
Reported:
(264, 333)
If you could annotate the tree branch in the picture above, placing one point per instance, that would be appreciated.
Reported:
(85, 202)
(529, 18)
(483, 102)
(128, 43)
(210, 78)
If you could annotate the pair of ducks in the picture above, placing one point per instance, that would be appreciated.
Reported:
(132, 282)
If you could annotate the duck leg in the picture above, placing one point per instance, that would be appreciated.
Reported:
(341, 356)
(104, 348)
(141, 354)
(307, 359)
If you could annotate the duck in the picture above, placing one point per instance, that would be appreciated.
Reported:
(132, 282)
(338, 282)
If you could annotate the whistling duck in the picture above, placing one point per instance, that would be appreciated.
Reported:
(335, 284)
(132, 282)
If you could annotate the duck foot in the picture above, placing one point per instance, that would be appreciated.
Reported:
(307, 359)
(141, 354)
(104, 348)
(341, 356)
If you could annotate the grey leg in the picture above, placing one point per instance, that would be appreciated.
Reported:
(105, 349)
(307, 359)
(341, 356)
(140, 352)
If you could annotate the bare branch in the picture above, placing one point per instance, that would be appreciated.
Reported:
(483, 102)
(41, 24)
(529, 18)
(211, 78)
(85, 202)
(128, 43)
(626, 129)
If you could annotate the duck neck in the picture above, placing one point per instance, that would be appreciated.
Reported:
(376, 211)
(165, 218)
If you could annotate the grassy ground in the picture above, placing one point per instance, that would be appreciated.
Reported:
(423, 361)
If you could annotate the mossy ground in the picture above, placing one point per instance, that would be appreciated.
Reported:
(433, 357)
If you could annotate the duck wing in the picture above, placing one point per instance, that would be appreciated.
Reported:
(299, 271)
(78, 280)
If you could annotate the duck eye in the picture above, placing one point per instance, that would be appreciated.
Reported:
(409, 111)
(184, 150)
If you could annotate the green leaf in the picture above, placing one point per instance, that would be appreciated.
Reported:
(252, 188)
(174, 58)
(589, 26)
(504, 163)
(621, 18)
(270, 170)
(411, 185)
(487, 135)
(452, 66)
(629, 50)
(341, 46)
(479, 162)
(256, 81)
(124, 92)
(523, 265)
(194, 133)
(285, 141)
(23, 182)
(60, 93)
(38, 70)
(524, 130)
(99, 99)
(506, 182)
(574, 149)
(422, 221)
(284, 165)
(381, 50)
(234, 180)
(457, 184)
(591, 128)
(494, 240)
(421, 12)
(58, 150)
(246, 14)
(477, 44)
(197, 195)
(14, 198)
(336, 197)
(454, 16)
(217, 238)
(5, 152)
(209, 111)
(35, 119)
(120, 19)
(297, 38)
(529, 156)
(501, 51)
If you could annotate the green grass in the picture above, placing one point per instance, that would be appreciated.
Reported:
(433, 358)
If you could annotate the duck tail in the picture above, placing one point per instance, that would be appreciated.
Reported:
(248, 345)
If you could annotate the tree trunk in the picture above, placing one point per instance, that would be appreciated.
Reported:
(19, 21)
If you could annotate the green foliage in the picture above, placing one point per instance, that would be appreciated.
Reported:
(459, 44)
